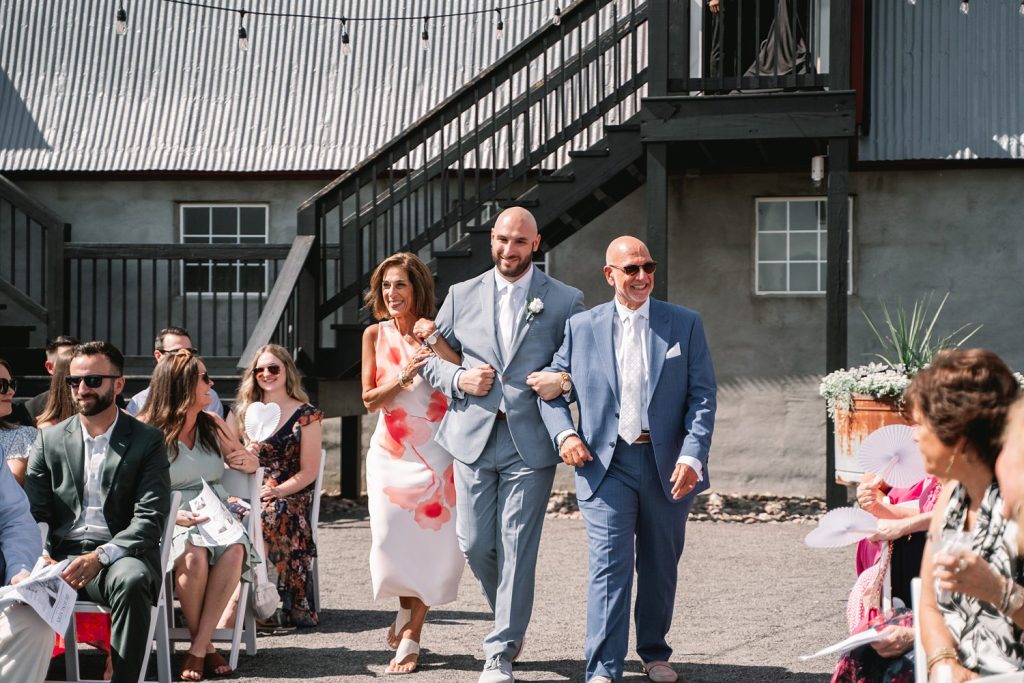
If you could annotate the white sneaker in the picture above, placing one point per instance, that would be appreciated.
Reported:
(600, 679)
(497, 670)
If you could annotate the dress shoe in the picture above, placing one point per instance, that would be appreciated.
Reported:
(497, 670)
(660, 672)
(600, 679)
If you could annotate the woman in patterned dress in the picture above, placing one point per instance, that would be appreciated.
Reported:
(291, 461)
(15, 440)
(414, 555)
(972, 606)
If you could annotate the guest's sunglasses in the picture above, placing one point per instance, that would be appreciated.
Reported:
(273, 369)
(206, 378)
(632, 269)
(10, 385)
(189, 350)
(91, 381)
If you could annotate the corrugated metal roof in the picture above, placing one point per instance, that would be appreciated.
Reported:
(945, 85)
(176, 93)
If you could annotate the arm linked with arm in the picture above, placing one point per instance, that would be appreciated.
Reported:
(555, 413)
(440, 373)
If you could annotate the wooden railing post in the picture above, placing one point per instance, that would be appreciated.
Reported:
(307, 291)
(658, 47)
(56, 290)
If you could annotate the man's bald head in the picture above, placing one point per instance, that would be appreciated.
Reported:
(514, 239)
(629, 253)
(517, 216)
(625, 247)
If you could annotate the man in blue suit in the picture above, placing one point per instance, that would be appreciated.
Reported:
(645, 388)
(506, 324)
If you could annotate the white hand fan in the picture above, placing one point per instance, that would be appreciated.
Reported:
(891, 453)
(840, 527)
(261, 420)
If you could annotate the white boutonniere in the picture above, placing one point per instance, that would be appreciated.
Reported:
(534, 308)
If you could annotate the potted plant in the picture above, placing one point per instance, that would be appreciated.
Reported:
(865, 398)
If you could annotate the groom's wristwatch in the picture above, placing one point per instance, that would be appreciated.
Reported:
(566, 385)
(432, 339)
(102, 556)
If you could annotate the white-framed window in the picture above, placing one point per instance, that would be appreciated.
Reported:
(242, 224)
(791, 245)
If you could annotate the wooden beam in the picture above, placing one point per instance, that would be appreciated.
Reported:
(839, 44)
(350, 455)
(657, 214)
(22, 300)
(203, 252)
(657, 46)
(835, 293)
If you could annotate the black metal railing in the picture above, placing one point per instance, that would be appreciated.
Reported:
(31, 246)
(126, 293)
(484, 146)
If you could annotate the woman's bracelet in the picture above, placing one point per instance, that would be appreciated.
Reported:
(1013, 599)
(404, 380)
(940, 654)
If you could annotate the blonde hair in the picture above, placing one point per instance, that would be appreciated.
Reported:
(171, 396)
(249, 389)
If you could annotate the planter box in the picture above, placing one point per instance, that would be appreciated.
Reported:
(853, 426)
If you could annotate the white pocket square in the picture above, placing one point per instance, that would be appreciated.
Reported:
(673, 352)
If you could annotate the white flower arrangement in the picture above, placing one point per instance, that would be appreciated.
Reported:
(877, 380)
(534, 308)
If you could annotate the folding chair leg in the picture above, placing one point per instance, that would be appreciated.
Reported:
(163, 649)
(71, 651)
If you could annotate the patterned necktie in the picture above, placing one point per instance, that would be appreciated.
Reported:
(506, 319)
(631, 398)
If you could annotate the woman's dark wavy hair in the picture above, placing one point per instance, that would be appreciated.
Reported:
(965, 393)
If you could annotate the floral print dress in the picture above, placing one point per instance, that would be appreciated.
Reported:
(287, 536)
(411, 487)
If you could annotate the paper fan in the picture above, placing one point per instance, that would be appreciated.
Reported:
(261, 420)
(891, 453)
(840, 527)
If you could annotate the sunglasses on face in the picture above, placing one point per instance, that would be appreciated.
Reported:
(10, 385)
(273, 369)
(206, 378)
(184, 350)
(91, 381)
(633, 268)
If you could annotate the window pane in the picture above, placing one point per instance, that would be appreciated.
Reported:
(195, 220)
(224, 239)
(253, 239)
(771, 247)
(253, 279)
(225, 220)
(252, 220)
(196, 277)
(822, 215)
(771, 215)
(771, 277)
(823, 245)
(803, 277)
(803, 215)
(803, 246)
(196, 239)
(823, 283)
(223, 278)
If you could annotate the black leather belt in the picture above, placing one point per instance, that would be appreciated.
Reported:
(645, 437)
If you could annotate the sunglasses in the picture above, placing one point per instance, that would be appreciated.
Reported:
(91, 381)
(10, 385)
(188, 350)
(633, 269)
(273, 369)
(206, 378)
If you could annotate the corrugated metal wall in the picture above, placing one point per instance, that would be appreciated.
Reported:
(176, 93)
(944, 85)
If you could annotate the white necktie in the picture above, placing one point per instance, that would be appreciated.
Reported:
(507, 318)
(631, 400)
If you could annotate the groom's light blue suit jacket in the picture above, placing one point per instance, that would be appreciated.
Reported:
(681, 390)
(468, 323)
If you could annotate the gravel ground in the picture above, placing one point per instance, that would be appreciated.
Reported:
(752, 598)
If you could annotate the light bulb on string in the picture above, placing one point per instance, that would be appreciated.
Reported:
(965, 6)
(1021, 8)
(243, 35)
(500, 26)
(912, 2)
(556, 20)
(346, 45)
(121, 23)
(425, 36)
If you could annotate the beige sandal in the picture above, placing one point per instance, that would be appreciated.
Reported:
(406, 649)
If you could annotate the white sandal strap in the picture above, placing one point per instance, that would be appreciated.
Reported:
(407, 647)
(402, 618)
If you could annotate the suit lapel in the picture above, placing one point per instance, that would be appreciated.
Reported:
(603, 340)
(74, 448)
(538, 289)
(120, 438)
(660, 328)
(487, 290)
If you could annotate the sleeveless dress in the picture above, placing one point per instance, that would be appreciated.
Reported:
(188, 471)
(411, 487)
(287, 536)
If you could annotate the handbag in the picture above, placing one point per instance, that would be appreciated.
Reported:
(865, 602)
(265, 597)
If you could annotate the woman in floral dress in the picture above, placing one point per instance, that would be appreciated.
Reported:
(415, 555)
(290, 458)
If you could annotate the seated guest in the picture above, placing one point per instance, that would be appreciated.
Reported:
(971, 601)
(56, 349)
(100, 481)
(15, 439)
(205, 574)
(171, 339)
(60, 404)
(1010, 464)
(25, 639)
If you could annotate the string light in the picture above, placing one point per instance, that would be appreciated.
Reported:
(121, 24)
(346, 46)
(243, 35)
(965, 6)
(912, 2)
(1021, 8)
(500, 26)
(557, 19)
(425, 36)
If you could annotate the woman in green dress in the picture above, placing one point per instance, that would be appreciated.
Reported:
(200, 445)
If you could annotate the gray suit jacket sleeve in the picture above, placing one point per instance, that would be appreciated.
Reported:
(438, 372)
(555, 413)
(19, 536)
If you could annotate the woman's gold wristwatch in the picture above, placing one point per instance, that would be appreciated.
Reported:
(404, 380)
(566, 385)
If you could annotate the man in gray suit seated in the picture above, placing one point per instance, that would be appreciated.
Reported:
(506, 324)
(25, 639)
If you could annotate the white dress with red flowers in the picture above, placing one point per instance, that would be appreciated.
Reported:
(411, 487)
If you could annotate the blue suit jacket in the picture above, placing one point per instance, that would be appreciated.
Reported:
(20, 545)
(467, 322)
(681, 386)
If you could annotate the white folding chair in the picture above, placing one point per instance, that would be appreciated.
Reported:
(314, 520)
(247, 487)
(157, 624)
(920, 659)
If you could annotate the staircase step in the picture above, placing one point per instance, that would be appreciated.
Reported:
(589, 153)
(524, 203)
(452, 254)
(622, 128)
(17, 336)
(567, 178)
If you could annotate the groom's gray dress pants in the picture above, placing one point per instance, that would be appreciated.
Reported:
(501, 503)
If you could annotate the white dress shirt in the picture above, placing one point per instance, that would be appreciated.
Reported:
(91, 525)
